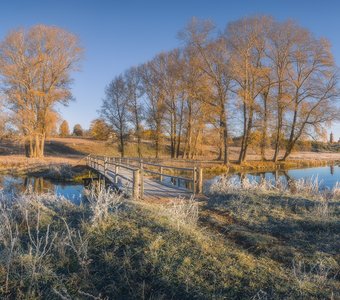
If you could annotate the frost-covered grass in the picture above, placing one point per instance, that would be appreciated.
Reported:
(304, 187)
(116, 248)
(296, 226)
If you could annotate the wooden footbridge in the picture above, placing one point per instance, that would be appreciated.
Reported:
(141, 178)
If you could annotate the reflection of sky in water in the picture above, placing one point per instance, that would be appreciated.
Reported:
(13, 185)
(72, 192)
(326, 176)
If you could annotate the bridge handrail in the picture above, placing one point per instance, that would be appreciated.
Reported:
(163, 166)
(168, 175)
(101, 163)
(102, 159)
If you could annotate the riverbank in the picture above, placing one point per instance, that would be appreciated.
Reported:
(268, 166)
(20, 165)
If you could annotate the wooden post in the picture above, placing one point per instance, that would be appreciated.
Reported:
(105, 165)
(200, 180)
(161, 175)
(135, 184)
(194, 180)
(116, 174)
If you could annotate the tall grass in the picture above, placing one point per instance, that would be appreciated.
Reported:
(102, 202)
(114, 248)
(309, 187)
(182, 212)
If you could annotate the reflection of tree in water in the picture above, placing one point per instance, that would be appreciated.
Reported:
(37, 184)
(332, 169)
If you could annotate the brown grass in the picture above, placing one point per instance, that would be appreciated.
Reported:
(71, 150)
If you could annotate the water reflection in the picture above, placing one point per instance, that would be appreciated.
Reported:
(15, 185)
(327, 176)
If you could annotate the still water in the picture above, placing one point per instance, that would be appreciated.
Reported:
(326, 176)
(13, 185)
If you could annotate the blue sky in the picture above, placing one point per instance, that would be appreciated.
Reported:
(119, 34)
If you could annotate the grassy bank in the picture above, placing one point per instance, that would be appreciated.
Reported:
(267, 166)
(18, 165)
(236, 245)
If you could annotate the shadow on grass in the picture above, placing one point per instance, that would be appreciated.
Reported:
(60, 149)
(280, 227)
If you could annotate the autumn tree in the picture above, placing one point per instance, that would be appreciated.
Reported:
(197, 111)
(99, 130)
(114, 109)
(215, 62)
(64, 129)
(155, 106)
(313, 83)
(270, 83)
(246, 40)
(135, 108)
(35, 69)
(78, 130)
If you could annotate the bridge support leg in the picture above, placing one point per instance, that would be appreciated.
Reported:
(116, 174)
(194, 180)
(200, 180)
(135, 184)
(161, 173)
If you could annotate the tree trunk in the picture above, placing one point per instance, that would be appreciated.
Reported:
(244, 132)
(248, 133)
(278, 135)
(264, 127)
(224, 127)
(122, 146)
(290, 143)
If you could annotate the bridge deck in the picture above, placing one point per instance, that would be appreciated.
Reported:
(152, 188)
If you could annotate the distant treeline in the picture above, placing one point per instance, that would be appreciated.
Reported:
(272, 83)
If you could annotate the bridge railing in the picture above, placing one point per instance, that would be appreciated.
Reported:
(193, 181)
(103, 163)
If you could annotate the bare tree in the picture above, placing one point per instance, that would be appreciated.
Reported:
(281, 39)
(246, 40)
(155, 105)
(314, 80)
(135, 108)
(114, 109)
